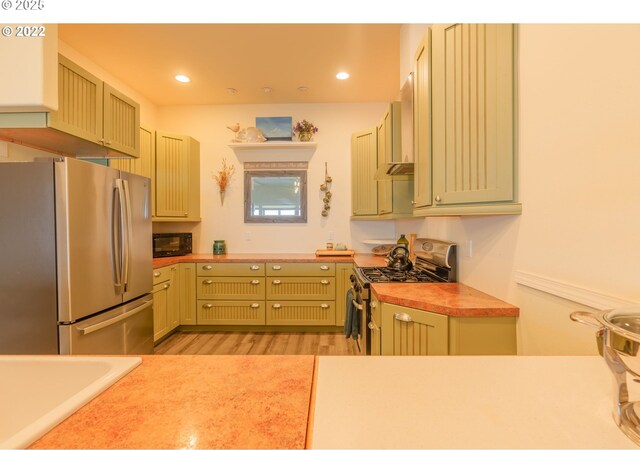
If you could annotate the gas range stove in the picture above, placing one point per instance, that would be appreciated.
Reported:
(435, 263)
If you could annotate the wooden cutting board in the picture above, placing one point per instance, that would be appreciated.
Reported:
(335, 252)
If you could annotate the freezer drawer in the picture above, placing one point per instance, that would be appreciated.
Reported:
(126, 330)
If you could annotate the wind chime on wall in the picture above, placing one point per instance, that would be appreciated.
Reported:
(324, 187)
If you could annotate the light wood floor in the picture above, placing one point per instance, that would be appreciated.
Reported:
(234, 343)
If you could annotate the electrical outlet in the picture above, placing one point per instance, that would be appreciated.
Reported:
(330, 236)
(469, 248)
(247, 235)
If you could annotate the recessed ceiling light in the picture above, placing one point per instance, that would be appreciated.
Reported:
(342, 75)
(182, 78)
(232, 91)
(303, 89)
(266, 89)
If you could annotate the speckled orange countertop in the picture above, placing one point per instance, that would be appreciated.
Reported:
(361, 260)
(197, 402)
(451, 299)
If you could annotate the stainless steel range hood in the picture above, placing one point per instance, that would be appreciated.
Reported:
(394, 171)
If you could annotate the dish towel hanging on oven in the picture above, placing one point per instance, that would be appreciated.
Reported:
(351, 322)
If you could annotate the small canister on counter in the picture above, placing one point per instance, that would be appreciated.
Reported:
(219, 247)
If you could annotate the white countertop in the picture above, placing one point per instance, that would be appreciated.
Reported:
(465, 402)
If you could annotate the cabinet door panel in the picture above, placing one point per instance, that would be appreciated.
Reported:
(301, 288)
(121, 122)
(79, 102)
(422, 124)
(406, 331)
(172, 175)
(364, 195)
(472, 113)
(187, 295)
(160, 324)
(343, 284)
(385, 191)
(231, 288)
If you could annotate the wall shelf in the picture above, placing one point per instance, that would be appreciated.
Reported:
(273, 145)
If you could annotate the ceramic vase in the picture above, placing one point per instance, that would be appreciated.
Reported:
(305, 136)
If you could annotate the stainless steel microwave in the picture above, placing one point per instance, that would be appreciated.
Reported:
(171, 244)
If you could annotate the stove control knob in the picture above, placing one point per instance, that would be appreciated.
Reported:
(352, 277)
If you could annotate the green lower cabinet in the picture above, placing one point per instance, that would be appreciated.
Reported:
(230, 288)
(231, 312)
(166, 307)
(376, 338)
(187, 293)
(303, 312)
(408, 331)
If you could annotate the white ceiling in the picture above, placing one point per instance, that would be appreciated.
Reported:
(247, 58)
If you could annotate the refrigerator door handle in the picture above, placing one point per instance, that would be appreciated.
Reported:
(98, 326)
(116, 237)
(127, 233)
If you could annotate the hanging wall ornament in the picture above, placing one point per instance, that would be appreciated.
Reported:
(325, 187)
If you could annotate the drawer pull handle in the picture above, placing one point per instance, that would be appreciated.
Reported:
(255, 305)
(207, 282)
(157, 274)
(324, 281)
(207, 267)
(207, 306)
(276, 306)
(403, 317)
(255, 267)
(255, 281)
(276, 282)
(324, 267)
(324, 306)
(276, 267)
(373, 327)
(374, 304)
(166, 286)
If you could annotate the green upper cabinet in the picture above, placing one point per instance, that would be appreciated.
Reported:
(93, 119)
(364, 189)
(92, 110)
(465, 121)
(177, 177)
(422, 125)
(385, 187)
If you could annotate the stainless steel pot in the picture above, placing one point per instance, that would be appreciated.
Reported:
(618, 337)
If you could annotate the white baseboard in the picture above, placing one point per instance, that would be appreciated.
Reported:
(571, 292)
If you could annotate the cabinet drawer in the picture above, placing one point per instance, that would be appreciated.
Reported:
(230, 269)
(301, 288)
(163, 274)
(301, 313)
(225, 312)
(301, 269)
(230, 288)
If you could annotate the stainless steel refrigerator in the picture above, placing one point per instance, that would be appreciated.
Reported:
(75, 259)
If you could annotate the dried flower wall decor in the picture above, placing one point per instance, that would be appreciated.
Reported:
(223, 177)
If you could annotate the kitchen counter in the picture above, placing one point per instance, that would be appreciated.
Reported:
(397, 402)
(197, 402)
(464, 402)
(248, 257)
(451, 299)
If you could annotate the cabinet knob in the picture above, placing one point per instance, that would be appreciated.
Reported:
(255, 281)
(207, 282)
(101, 141)
(207, 268)
(438, 199)
(276, 267)
(185, 214)
(107, 143)
(255, 267)
(276, 306)
(276, 282)
(373, 304)
(413, 202)
(324, 267)
(207, 306)
(324, 281)
(156, 274)
(324, 306)
(166, 286)
(255, 305)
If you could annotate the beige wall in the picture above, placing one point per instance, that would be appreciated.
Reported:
(336, 122)
(579, 167)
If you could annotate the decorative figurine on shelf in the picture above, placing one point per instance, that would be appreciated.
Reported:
(305, 130)
(224, 177)
(324, 187)
(246, 135)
